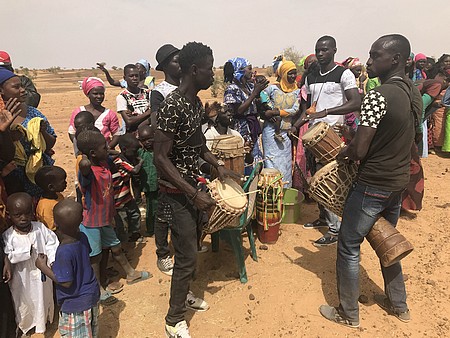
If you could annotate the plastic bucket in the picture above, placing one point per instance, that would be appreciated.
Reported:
(292, 199)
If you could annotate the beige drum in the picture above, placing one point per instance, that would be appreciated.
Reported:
(230, 149)
(331, 184)
(323, 142)
(231, 203)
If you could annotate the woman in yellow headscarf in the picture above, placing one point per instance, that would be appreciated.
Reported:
(283, 98)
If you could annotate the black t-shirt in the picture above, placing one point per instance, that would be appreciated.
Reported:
(177, 115)
(388, 109)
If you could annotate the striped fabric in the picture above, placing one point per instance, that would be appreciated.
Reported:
(121, 176)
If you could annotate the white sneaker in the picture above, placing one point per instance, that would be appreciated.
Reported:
(180, 330)
(165, 265)
(196, 304)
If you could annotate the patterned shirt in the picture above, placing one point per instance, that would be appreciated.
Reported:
(373, 109)
(122, 181)
(177, 115)
(236, 95)
(135, 104)
(98, 193)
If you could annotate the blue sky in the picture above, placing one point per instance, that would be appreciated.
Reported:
(74, 34)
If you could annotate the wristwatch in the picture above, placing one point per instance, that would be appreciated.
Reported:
(220, 163)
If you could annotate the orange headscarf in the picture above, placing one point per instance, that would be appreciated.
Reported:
(284, 69)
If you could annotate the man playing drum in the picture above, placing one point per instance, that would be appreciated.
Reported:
(178, 145)
(382, 144)
(332, 93)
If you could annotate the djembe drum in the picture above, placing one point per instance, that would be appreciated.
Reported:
(230, 149)
(323, 142)
(231, 203)
(389, 244)
(269, 204)
(330, 187)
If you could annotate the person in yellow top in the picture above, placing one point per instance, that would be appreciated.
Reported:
(52, 180)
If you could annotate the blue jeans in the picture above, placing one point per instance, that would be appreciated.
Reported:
(362, 209)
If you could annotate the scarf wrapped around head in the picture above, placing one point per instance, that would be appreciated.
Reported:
(90, 83)
(283, 70)
(305, 60)
(146, 65)
(351, 62)
(419, 57)
(239, 65)
(276, 64)
(5, 75)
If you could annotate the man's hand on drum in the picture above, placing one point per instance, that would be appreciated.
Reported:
(224, 172)
(342, 156)
(203, 201)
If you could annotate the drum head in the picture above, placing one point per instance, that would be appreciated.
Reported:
(314, 131)
(231, 193)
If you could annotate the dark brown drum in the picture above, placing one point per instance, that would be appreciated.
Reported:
(389, 244)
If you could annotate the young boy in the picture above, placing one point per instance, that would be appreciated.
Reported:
(133, 103)
(149, 176)
(32, 295)
(77, 290)
(83, 121)
(127, 164)
(98, 204)
(52, 181)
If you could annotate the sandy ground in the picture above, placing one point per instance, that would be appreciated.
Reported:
(290, 280)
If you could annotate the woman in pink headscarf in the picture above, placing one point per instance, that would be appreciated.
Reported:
(106, 120)
(419, 73)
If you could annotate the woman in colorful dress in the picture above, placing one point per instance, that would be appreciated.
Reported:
(30, 123)
(284, 100)
(241, 96)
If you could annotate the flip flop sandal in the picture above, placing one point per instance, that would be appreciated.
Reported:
(114, 287)
(111, 272)
(144, 275)
(106, 299)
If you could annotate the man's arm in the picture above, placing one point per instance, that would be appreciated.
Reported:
(359, 146)
(373, 110)
(133, 121)
(111, 81)
(162, 148)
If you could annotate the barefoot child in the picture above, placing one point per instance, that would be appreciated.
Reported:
(52, 181)
(77, 290)
(32, 295)
(98, 204)
(149, 178)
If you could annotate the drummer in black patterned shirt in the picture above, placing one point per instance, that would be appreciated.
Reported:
(178, 145)
(382, 145)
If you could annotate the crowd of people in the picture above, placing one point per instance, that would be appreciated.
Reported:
(156, 145)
